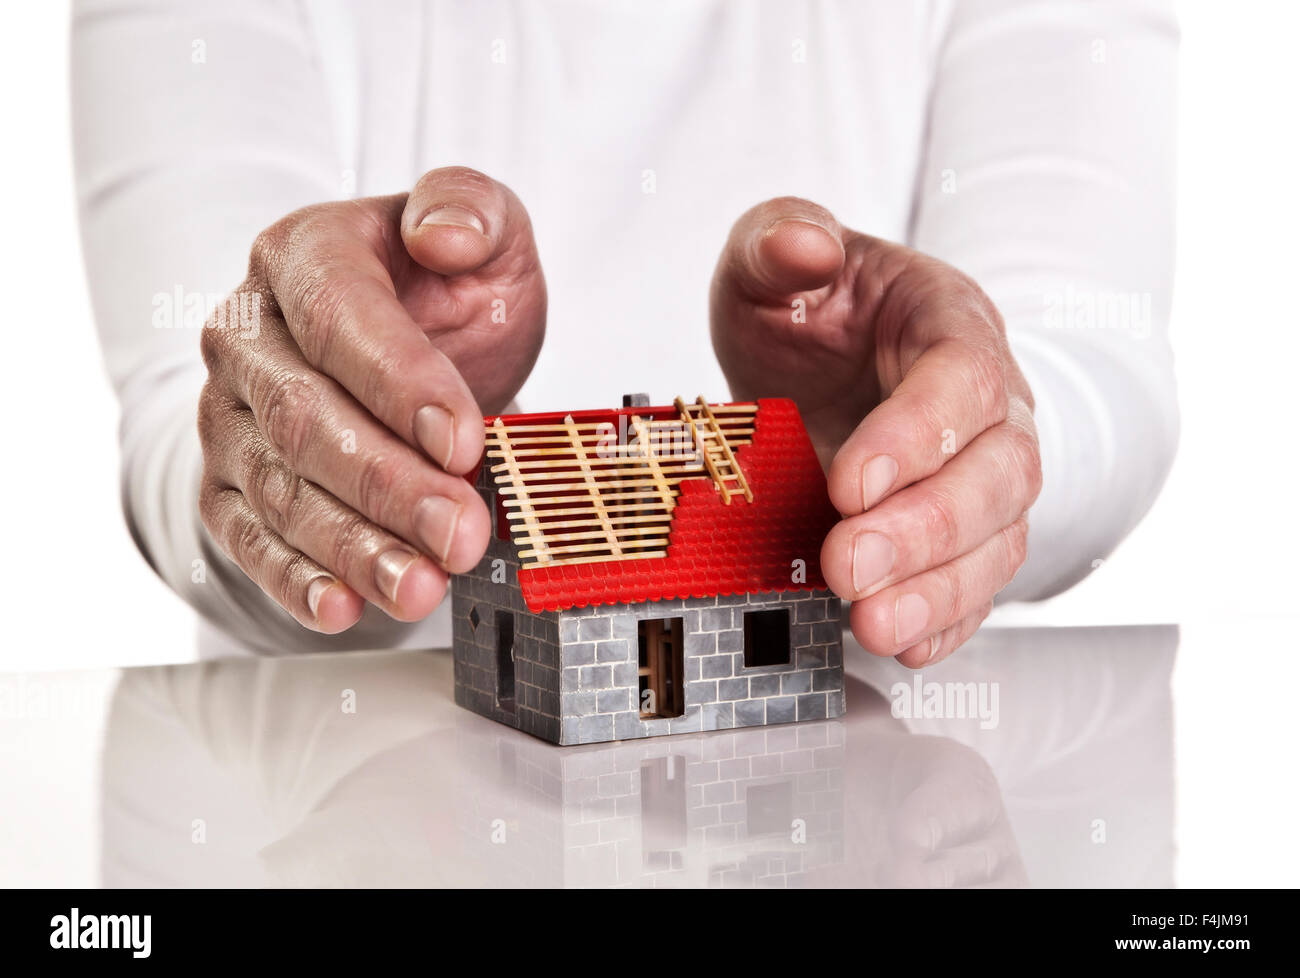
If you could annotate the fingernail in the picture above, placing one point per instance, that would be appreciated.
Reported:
(314, 591)
(878, 477)
(935, 641)
(389, 569)
(450, 215)
(911, 616)
(435, 430)
(435, 521)
(781, 222)
(872, 559)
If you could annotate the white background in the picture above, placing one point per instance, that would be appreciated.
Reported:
(1219, 550)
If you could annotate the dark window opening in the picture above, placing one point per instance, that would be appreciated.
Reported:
(767, 637)
(506, 659)
(500, 517)
(474, 619)
(659, 668)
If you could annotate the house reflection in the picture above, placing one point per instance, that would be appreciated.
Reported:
(748, 807)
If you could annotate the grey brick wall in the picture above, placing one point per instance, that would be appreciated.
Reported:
(536, 706)
(598, 693)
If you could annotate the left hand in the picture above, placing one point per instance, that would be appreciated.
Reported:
(900, 367)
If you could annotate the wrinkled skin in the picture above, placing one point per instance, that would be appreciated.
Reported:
(336, 432)
(901, 369)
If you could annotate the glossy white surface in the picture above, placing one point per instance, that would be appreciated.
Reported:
(253, 772)
(1130, 756)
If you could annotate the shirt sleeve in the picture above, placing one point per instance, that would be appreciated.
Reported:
(1048, 176)
(195, 125)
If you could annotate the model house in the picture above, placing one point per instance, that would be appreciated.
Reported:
(653, 570)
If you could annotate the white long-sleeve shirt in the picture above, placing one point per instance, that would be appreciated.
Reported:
(1029, 144)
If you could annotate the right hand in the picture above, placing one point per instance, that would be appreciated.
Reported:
(338, 424)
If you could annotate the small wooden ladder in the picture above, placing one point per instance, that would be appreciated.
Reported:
(712, 443)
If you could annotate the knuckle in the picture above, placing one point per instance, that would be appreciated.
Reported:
(213, 347)
(1017, 541)
(378, 480)
(250, 542)
(353, 543)
(316, 292)
(207, 418)
(318, 300)
(978, 302)
(271, 243)
(231, 329)
(275, 490)
(929, 425)
(988, 384)
(290, 404)
(1025, 460)
(277, 249)
(285, 578)
(209, 509)
(938, 521)
(954, 586)
(387, 376)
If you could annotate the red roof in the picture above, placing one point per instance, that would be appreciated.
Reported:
(713, 549)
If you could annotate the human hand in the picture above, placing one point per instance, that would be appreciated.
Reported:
(900, 367)
(337, 425)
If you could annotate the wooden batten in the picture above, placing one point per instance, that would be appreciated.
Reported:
(570, 499)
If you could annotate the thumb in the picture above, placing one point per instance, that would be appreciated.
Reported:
(458, 220)
(781, 247)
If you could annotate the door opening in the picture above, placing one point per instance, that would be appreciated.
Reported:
(659, 675)
(506, 660)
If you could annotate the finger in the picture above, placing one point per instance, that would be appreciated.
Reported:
(458, 220)
(955, 800)
(893, 620)
(953, 812)
(939, 646)
(305, 589)
(328, 439)
(779, 248)
(377, 565)
(331, 280)
(955, 390)
(980, 491)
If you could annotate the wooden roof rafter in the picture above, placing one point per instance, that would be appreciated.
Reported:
(573, 494)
